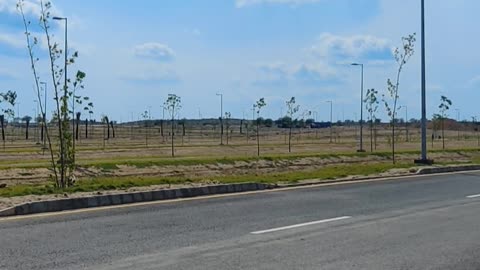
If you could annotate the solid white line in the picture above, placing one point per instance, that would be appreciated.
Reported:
(301, 225)
(473, 196)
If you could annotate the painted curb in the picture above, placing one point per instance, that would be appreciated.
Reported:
(126, 198)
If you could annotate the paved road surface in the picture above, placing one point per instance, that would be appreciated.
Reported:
(429, 222)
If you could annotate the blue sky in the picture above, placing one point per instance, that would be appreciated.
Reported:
(136, 52)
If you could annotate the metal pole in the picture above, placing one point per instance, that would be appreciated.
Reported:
(44, 126)
(458, 122)
(36, 120)
(361, 114)
(361, 109)
(424, 112)
(221, 117)
(406, 122)
(331, 119)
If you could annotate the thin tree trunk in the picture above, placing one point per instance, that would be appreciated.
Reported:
(113, 129)
(43, 124)
(2, 122)
(26, 130)
(371, 135)
(86, 128)
(108, 128)
(173, 145)
(393, 141)
(290, 139)
(258, 139)
(221, 130)
(32, 62)
(77, 124)
(443, 134)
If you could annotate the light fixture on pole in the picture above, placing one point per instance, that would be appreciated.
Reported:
(423, 159)
(361, 108)
(221, 117)
(44, 117)
(406, 121)
(65, 87)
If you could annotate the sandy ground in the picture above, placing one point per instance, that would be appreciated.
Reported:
(9, 202)
(18, 153)
(16, 176)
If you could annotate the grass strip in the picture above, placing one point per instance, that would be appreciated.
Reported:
(112, 183)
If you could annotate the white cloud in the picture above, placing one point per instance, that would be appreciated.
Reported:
(30, 7)
(474, 82)
(152, 75)
(245, 3)
(314, 72)
(8, 74)
(281, 73)
(154, 50)
(330, 45)
(16, 41)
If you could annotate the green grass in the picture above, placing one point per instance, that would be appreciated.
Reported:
(111, 183)
(143, 162)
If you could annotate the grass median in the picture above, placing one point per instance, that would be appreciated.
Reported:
(117, 183)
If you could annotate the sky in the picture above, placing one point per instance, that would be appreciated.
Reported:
(135, 53)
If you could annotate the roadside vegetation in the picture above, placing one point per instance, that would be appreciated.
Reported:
(113, 183)
(76, 156)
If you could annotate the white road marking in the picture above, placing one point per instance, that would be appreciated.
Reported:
(301, 225)
(473, 196)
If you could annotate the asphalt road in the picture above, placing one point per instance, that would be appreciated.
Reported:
(429, 222)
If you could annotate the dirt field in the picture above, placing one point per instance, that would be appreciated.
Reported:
(23, 161)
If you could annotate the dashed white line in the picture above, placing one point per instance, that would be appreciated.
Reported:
(473, 196)
(301, 225)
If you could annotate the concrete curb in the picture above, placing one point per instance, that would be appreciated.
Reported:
(116, 199)
(170, 194)
(430, 170)
(421, 171)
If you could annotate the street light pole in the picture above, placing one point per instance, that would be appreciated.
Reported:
(331, 119)
(65, 87)
(406, 121)
(44, 116)
(361, 108)
(36, 120)
(458, 122)
(221, 117)
(423, 159)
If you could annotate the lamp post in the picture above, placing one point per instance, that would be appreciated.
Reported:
(406, 121)
(36, 120)
(65, 87)
(458, 123)
(331, 119)
(423, 159)
(221, 117)
(361, 108)
(44, 116)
